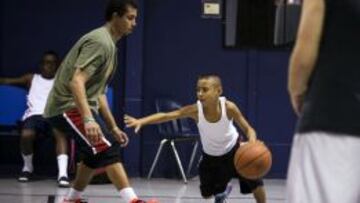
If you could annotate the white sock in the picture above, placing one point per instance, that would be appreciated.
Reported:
(73, 194)
(28, 165)
(128, 194)
(62, 160)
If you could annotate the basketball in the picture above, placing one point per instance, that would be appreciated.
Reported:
(252, 160)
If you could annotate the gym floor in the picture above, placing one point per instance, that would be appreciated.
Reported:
(164, 190)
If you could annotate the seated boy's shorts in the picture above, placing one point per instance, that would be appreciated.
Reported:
(38, 124)
(102, 154)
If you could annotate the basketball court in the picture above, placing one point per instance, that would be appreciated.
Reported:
(165, 190)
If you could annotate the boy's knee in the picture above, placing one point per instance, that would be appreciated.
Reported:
(60, 139)
(259, 188)
(27, 134)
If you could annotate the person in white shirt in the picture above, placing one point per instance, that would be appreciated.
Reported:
(34, 125)
(214, 116)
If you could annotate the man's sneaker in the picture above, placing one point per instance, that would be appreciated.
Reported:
(75, 201)
(24, 176)
(152, 201)
(137, 201)
(63, 182)
(221, 197)
(143, 201)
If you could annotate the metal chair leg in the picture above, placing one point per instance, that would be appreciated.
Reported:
(193, 153)
(178, 161)
(156, 157)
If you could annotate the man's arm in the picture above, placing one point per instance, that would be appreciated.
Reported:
(23, 81)
(187, 111)
(306, 50)
(77, 87)
(105, 111)
(234, 112)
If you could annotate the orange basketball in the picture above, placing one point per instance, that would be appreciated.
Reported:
(252, 160)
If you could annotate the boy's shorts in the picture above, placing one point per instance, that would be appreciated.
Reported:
(38, 124)
(217, 171)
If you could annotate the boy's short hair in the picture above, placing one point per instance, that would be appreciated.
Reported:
(51, 52)
(118, 6)
(54, 54)
(214, 77)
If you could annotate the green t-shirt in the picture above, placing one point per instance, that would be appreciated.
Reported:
(94, 53)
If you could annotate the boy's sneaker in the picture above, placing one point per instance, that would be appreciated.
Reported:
(75, 201)
(221, 197)
(63, 182)
(24, 176)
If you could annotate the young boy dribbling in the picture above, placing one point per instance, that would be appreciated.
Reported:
(214, 116)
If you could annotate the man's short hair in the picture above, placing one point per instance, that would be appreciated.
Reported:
(119, 7)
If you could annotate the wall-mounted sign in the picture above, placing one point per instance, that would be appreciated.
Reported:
(211, 8)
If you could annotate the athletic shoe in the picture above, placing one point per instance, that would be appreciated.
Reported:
(75, 201)
(221, 197)
(63, 182)
(25, 176)
(143, 201)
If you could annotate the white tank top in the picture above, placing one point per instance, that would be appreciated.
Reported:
(220, 137)
(38, 94)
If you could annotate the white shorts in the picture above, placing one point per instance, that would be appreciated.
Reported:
(324, 168)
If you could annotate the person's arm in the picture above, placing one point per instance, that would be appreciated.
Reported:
(234, 112)
(23, 81)
(304, 55)
(105, 111)
(186, 111)
(89, 60)
(77, 87)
